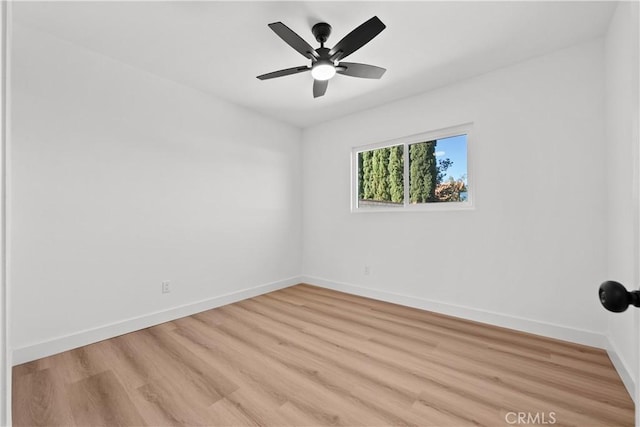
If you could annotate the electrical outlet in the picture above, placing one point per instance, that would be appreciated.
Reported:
(166, 287)
(367, 270)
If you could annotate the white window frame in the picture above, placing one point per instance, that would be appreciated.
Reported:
(406, 141)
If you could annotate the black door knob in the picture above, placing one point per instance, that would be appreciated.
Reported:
(615, 297)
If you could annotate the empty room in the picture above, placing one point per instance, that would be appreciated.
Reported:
(221, 213)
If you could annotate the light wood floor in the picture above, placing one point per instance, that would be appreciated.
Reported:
(311, 356)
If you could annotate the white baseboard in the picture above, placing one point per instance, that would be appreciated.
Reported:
(89, 336)
(537, 327)
(622, 369)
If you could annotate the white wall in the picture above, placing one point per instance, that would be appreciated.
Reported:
(121, 179)
(621, 84)
(532, 253)
(5, 363)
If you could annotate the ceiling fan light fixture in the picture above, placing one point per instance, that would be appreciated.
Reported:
(323, 70)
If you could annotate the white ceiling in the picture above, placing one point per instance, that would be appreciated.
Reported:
(220, 47)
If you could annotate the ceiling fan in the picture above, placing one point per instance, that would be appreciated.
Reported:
(325, 62)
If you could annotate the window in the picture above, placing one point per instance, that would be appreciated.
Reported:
(426, 171)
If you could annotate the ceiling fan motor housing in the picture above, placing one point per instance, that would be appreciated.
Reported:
(321, 31)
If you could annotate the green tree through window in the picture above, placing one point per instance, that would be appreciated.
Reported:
(381, 173)
(396, 174)
(423, 174)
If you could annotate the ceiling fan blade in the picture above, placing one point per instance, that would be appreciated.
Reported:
(357, 38)
(294, 40)
(285, 72)
(319, 87)
(365, 71)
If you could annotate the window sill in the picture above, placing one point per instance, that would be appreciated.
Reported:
(426, 207)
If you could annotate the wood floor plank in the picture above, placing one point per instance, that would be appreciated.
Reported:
(80, 363)
(294, 416)
(130, 362)
(493, 335)
(446, 327)
(300, 387)
(330, 376)
(195, 335)
(361, 367)
(181, 367)
(310, 356)
(100, 400)
(228, 412)
(31, 367)
(477, 380)
(207, 378)
(161, 404)
(38, 400)
(252, 406)
(555, 376)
